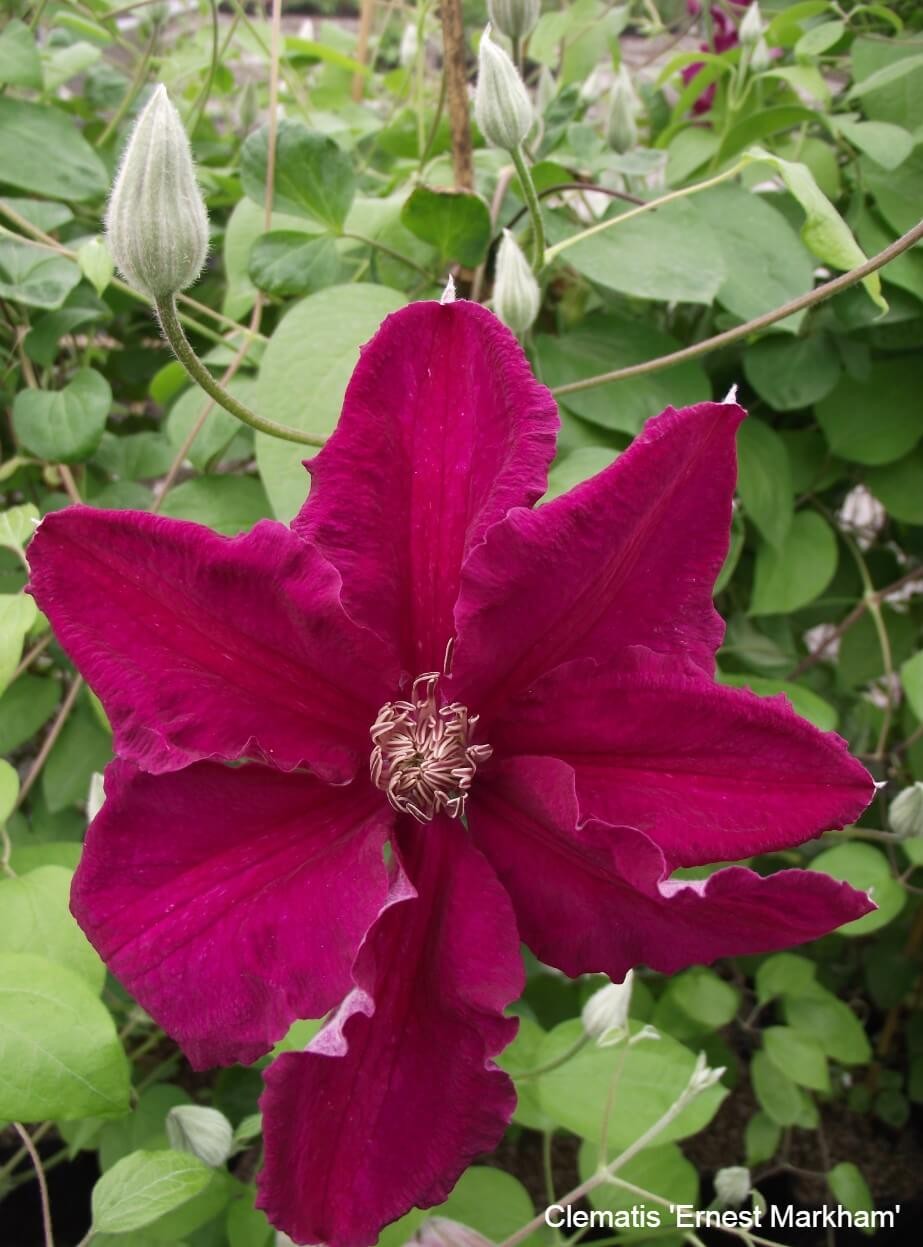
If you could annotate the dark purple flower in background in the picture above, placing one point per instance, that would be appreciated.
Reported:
(518, 701)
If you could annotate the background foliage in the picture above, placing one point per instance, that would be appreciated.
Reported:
(823, 1047)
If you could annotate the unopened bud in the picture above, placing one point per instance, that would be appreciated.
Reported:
(514, 18)
(204, 1132)
(157, 226)
(501, 103)
(517, 296)
(622, 123)
(751, 26)
(410, 45)
(761, 57)
(703, 1076)
(732, 1186)
(605, 1014)
(443, 1232)
(906, 813)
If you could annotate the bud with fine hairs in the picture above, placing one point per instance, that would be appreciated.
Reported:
(732, 1186)
(514, 18)
(517, 296)
(760, 57)
(605, 1014)
(906, 812)
(443, 1232)
(501, 104)
(201, 1131)
(622, 119)
(156, 224)
(750, 30)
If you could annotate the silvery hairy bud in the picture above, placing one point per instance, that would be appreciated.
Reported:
(204, 1132)
(605, 1014)
(501, 104)
(443, 1232)
(517, 296)
(410, 45)
(732, 1186)
(156, 225)
(761, 57)
(751, 26)
(514, 18)
(621, 122)
(906, 813)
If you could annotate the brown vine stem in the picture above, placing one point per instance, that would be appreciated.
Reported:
(843, 282)
(42, 1184)
(456, 85)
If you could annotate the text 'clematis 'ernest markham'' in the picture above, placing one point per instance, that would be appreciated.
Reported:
(518, 700)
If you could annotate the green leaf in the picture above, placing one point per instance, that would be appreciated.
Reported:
(578, 466)
(519, 1058)
(34, 275)
(789, 576)
(286, 262)
(885, 76)
(765, 480)
(456, 223)
(663, 1171)
(96, 264)
(27, 704)
(780, 1098)
(17, 524)
(61, 1055)
(672, 255)
(897, 487)
(912, 682)
(898, 192)
(82, 749)
(799, 1056)
(891, 390)
(867, 869)
(792, 373)
(64, 426)
(783, 972)
(35, 918)
(704, 997)
(220, 431)
(17, 615)
(144, 1186)
(487, 1200)
(20, 63)
(824, 230)
(766, 263)
(42, 152)
(820, 38)
(818, 1013)
(229, 504)
(145, 1127)
(314, 177)
(804, 701)
(888, 145)
(850, 1188)
(761, 1139)
(653, 1075)
(604, 343)
(9, 791)
(312, 353)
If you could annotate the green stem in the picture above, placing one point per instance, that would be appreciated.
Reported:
(173, 331)
(556, 250)
(389, 251)
(557, 1062)
(535, 211)
(198, 108)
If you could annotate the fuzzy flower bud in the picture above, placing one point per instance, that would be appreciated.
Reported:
(621, 123)
(501, 103)
(517, 296)
(761, 57)
(157, 226)
(605, 1014)
(906, 813)
(443, 1232)
(732, 1186)
(751, 26)
(514, 18)
(410, 45)
(204, 1132)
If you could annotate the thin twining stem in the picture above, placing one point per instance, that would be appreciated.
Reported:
(824, 291)
(173, 331)
(42, 1184)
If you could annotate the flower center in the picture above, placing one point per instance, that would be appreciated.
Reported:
(421, 753)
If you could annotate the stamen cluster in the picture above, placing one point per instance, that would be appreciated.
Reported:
(421, 756)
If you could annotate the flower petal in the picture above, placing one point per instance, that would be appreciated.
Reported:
(628, 557)
(443, 430)
(397, 1095)
(231, 900)
(590, 897)
(203, 646)
(710, 773)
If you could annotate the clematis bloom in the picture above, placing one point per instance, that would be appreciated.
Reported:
(519, 701)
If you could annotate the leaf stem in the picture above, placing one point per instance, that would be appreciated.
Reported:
(389, 251)
(843, 282)
(539, 255)
(30, 1147)
(174, 333)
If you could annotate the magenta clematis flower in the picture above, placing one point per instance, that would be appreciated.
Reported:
(519, 701)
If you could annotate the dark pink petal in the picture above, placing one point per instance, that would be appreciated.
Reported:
(443, 429)
(626, 558)
(591, 897)
(708, 772)
(397, 1095)
(203, 646)
(231, 900)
